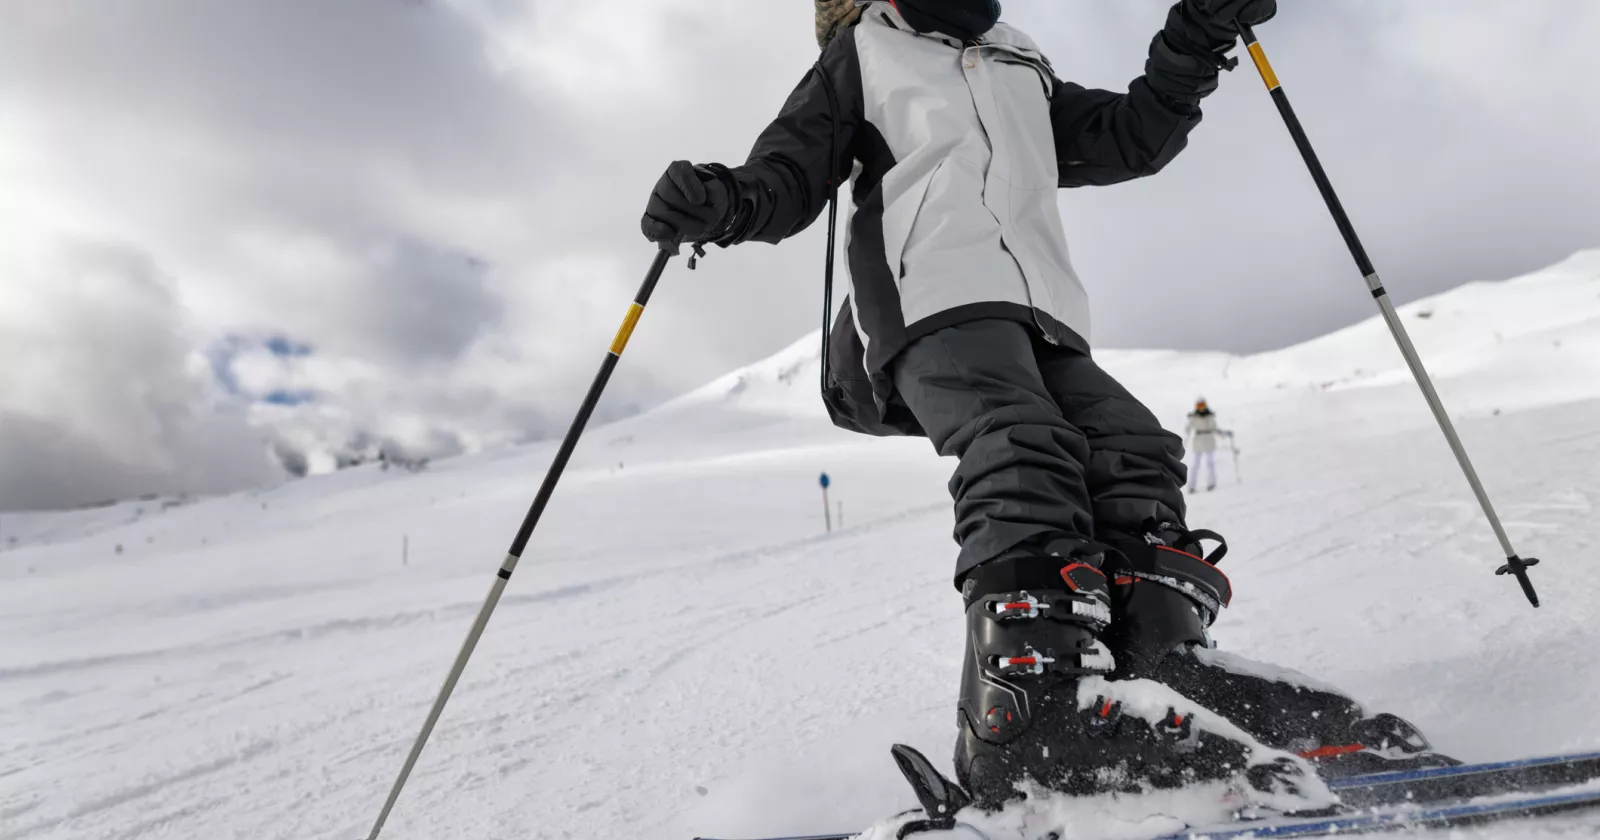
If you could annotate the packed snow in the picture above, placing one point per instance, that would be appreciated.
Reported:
(685, 651)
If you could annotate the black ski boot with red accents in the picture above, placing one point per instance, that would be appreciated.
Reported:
(1034, 705)
(1163, 601)
(1292, 712)
(1165, 593)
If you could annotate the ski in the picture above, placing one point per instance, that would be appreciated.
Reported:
(1466, 781)
(1431, 798)
(1404, 818)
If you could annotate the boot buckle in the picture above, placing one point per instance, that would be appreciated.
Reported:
(1030, 663)
(1023, 606)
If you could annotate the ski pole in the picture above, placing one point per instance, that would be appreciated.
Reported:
(529, 522)
(1234, 447)
(1514, 564)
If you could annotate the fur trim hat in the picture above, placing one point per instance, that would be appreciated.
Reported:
(833, 17)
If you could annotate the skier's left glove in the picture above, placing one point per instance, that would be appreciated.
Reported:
(690, 204)
(1208, 28)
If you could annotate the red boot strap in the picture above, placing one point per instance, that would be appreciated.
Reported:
(1082, 576)
(1173, 563)
(1332, 751)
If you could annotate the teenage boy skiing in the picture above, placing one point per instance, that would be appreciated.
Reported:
(967, 324)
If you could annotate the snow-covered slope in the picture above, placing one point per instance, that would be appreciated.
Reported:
(1533, 340)
(684, 650)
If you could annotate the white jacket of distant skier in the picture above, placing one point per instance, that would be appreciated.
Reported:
(1203, 429)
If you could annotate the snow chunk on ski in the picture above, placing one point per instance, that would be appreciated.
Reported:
(1108, 817)
(1153, 702)
(1236, 664)
(1287, 785)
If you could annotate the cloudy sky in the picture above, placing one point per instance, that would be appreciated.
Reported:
(416, 221)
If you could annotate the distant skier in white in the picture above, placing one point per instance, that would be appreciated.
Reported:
(1203, 433)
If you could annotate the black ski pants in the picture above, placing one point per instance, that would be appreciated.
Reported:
(1051, 446)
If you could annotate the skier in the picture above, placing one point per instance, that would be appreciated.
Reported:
(1203, 432)
(967, 324)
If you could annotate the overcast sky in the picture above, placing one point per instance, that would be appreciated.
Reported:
(417, 220)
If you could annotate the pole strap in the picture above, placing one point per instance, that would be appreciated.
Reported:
(834, 180)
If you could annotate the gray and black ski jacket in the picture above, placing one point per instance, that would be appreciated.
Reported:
(954, 152)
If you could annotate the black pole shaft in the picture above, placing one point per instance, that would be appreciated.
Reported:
(590, 400)
(1514, 565)
(507, 566)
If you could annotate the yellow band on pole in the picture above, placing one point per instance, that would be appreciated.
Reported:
(625, 332)
(1260, 55)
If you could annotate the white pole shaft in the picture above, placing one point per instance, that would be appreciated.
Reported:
(1425, 383)
(478, 624)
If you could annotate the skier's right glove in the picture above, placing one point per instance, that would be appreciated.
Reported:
(1208, 29)
(690, 204)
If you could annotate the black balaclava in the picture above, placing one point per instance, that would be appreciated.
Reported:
(965, 20)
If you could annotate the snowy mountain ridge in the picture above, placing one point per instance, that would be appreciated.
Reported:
(1545, 324)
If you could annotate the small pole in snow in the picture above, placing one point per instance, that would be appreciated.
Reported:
(405, 549)
(827, 511)
(841, 515)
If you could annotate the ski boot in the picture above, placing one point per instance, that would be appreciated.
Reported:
(1035, 704)
(1163, 602)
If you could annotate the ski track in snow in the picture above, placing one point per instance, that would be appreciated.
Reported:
(684, 652)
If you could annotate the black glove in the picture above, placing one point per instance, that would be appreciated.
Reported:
(1221, 18)
(1204, 28)
(689, 204)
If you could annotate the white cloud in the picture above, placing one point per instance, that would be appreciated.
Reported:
(440, 197)
(103, 395)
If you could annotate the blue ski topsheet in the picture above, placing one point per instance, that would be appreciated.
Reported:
(1403, 776)
(1460, 813)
